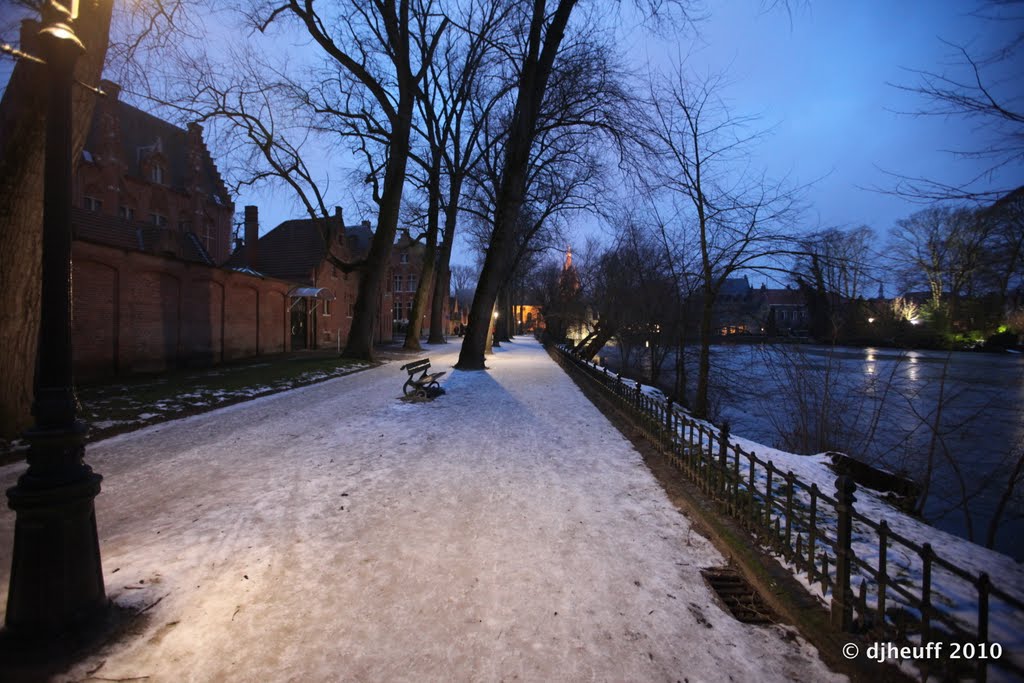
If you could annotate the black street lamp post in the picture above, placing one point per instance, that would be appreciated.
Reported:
(56, 578)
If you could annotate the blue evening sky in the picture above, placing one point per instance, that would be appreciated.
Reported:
(822, 76)
(819, 76)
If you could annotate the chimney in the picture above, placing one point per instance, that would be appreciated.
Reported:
(252, 236)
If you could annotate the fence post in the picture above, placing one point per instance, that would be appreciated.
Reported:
(842, 595)
(723, 463)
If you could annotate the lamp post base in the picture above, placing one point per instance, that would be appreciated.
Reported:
(56, 575)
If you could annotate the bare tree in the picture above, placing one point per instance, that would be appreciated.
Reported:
(371, 46)
(584, 103)
(456, 98)
(699, 154)
(833, 268)
(941, 248)
(984, 88)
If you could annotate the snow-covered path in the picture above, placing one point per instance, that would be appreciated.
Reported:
(503, 531)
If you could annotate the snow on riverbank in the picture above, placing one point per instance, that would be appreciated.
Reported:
(951, 594)
(334, 532)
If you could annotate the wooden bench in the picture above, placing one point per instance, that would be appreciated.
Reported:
(422, 385)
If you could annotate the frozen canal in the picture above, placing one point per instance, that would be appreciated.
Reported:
(333, 532)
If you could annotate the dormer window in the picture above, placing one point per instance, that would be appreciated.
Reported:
(156, 174)
(403, 257)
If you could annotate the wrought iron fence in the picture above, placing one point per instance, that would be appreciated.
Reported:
(876, 581)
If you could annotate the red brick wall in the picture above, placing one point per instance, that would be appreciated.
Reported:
(136, 312)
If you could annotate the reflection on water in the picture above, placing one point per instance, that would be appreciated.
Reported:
(959, 416)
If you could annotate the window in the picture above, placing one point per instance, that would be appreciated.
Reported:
(398, 283)
(327, 307)
(158, 219)
(412, 283)
(126, 212)
(403, 257)
(396, 311)
(156, 173)
(92, 204)
(209, 238)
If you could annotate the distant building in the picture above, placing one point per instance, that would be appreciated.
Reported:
(786, 311)
(742, 309)
(406, 270)
(528, 318)
(322, 302)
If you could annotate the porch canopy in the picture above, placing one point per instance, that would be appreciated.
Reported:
(316, 292)
(319, 293)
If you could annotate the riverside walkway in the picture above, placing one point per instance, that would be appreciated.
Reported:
(504, 531)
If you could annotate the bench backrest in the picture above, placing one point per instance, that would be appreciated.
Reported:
(417, 365)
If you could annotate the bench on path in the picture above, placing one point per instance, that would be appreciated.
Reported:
(424, 385)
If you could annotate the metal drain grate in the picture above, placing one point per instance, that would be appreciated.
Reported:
(739, 596)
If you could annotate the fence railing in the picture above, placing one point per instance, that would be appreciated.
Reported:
(876, 581)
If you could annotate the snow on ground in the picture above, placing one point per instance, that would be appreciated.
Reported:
(505, 530)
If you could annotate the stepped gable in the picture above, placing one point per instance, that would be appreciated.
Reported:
(141, 134)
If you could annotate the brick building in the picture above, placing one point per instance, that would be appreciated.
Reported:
(322, 302)
(151, 221)
(406, 271)
(157, 179)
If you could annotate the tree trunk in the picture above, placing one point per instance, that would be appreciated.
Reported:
(426, 283)
(604, 333)
(533, 82)
(680, 385)
(22, 141)
(700, 403)
(441, 278)
(364, 321)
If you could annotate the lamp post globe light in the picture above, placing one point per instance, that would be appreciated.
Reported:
(56, 578)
